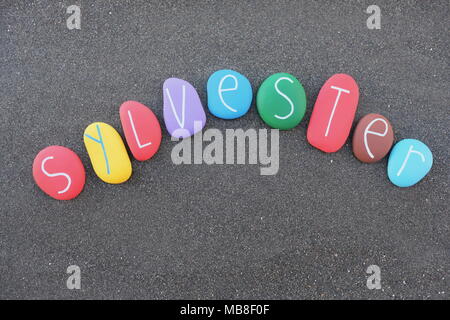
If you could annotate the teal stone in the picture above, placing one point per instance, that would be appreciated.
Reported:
(409, 162)
(229, 94)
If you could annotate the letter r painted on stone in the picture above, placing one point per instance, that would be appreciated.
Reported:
(74, 20)
(410, 151)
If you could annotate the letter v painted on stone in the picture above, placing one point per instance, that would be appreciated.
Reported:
(183, 106)
(141, 146)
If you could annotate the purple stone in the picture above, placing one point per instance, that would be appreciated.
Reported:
(183, 110)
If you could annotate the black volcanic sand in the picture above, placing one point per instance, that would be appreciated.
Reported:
(222, 231)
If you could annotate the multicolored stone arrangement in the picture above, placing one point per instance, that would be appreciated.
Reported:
(281, 103)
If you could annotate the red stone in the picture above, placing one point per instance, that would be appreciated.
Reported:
(141, 128)
(373, 138)
(333, 113)
(59, 172)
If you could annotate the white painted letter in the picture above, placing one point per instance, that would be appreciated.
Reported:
(183, 106)
(286, 97)
(367, 131)
(135, 133)
(59, 174)
(407, 158)
(334, 107)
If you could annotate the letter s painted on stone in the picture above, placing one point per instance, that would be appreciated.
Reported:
(291, 104)
(58, 174)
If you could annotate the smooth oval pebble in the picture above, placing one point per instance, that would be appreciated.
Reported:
(229, 94)
(107, 152)
(373, 138)
(183, 110)
(281, 101)
(141, 128)
(59, 172)
(409, 162)
(333, 113)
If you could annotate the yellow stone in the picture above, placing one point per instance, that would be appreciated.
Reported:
(107, 152)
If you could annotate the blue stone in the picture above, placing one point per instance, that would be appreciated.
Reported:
(409, 162)
(229, 94)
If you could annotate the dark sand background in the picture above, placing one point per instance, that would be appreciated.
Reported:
(198, 231)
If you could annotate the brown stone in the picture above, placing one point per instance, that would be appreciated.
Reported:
(373, 138)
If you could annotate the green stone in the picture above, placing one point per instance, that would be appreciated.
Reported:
(281, 101)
